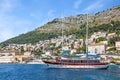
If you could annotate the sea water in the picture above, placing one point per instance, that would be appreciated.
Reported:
(42, 72)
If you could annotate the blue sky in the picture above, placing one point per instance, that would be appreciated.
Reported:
(21, 16)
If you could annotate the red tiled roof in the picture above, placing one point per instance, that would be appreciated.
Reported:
(100, 43)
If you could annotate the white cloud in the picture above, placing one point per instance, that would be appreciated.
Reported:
(11, 25)
(7, 5)
(5, 30)
(77, 4)
(94, 6)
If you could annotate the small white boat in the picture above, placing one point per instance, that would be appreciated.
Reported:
(36, 62)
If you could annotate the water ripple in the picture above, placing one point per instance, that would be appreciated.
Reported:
(41, 72)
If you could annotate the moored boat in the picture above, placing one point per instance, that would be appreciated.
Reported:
(83, 63)
(36, 62)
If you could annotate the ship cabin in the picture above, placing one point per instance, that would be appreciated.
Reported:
(79, 61)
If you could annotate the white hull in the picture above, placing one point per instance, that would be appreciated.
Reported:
(78, 66)
(36, 62)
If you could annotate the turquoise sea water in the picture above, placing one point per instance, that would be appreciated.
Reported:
(42, 72)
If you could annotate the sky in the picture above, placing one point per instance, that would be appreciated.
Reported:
(21, 16)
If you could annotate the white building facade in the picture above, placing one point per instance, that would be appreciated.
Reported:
(98, 48)
(117, 45)
(8, 53)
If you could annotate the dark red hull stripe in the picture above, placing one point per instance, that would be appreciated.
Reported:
(58, 63)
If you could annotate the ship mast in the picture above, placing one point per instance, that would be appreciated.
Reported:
(87, 34)
(62, 32)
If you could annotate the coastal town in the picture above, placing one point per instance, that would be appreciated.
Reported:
(59, 39)
(102, 43)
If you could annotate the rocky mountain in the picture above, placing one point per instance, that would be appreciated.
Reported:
(112, 14)
(71, 25)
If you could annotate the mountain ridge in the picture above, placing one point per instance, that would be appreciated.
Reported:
(73, 24)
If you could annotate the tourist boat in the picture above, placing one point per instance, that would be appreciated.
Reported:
(77, 63)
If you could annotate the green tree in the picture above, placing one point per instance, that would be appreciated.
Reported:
(100, 39)
(22, 50)
(84, 48)
(112, 49)
(111, 41)
(37, 52)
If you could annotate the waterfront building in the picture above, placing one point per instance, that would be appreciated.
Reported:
(21, 58)
(98, 34)
(27, 53)
(6, 59)
(9, 52)
(117, 45)
(111, 35)
(97, 48)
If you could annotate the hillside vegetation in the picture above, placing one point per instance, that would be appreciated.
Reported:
(106, 21)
